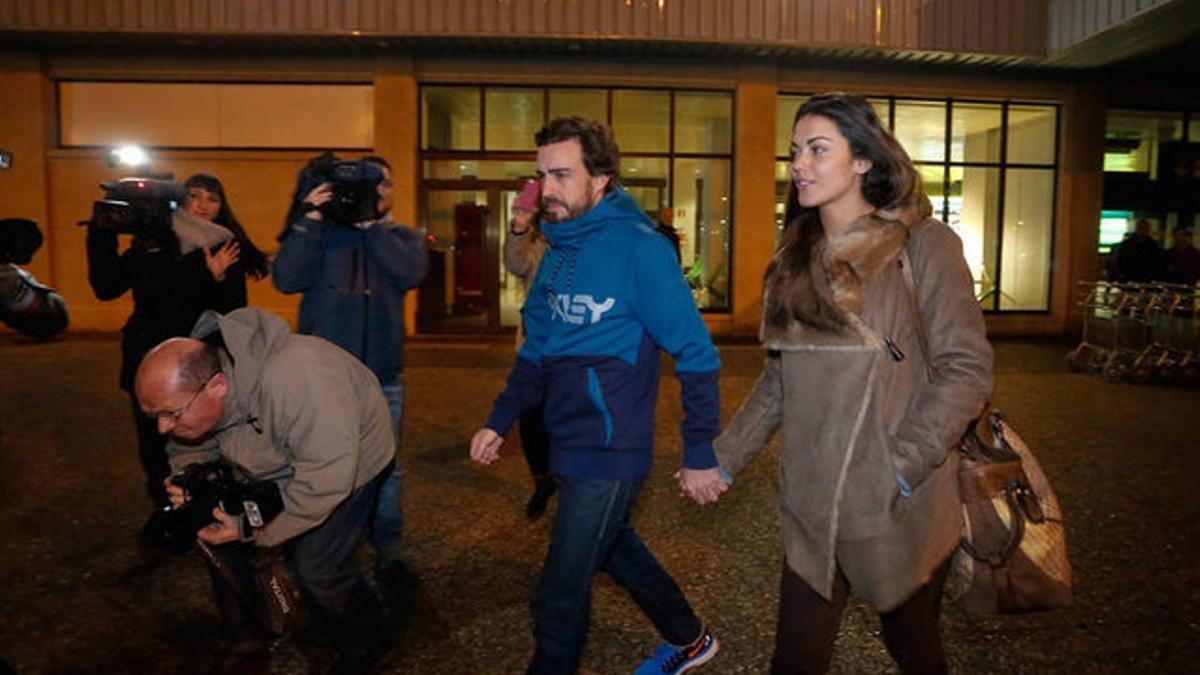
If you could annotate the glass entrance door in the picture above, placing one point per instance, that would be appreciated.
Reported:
(467, 289)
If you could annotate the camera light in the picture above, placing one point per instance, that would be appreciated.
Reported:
(129, 155)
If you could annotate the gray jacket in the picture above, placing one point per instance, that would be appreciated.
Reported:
(300, 411)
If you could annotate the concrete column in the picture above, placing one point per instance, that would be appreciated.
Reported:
(754, 195)
(397, 138)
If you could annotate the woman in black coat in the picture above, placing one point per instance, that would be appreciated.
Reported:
(176, 271)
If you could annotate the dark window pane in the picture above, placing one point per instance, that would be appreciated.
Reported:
(589, 103)
(641, 120)
(703, 122)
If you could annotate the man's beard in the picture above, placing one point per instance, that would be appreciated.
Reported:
(573, 211)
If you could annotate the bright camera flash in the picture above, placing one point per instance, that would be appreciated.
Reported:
(130, 155)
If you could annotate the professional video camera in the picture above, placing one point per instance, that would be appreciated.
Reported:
(355, 187)
(208, 485)
(141, 206)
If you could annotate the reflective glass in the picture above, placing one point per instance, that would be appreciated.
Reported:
(881, 110)
(455, 169)
(641, 120)
(589, 103)
(1031, 134)
(1131, 139)
(785, 116)
(974, 208)
(513, 117)
(933, 177)
(1028, 228)
(921, 129)
(783, 180)
(703, 122)
(975, 132)
(645, 178)
(702, 214)
(450, 118)
(1194, 127)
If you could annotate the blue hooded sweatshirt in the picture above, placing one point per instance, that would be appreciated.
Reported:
(607, 295)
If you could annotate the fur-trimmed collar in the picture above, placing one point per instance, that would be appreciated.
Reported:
(820, 304)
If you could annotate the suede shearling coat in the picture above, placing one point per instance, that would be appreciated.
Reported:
(867, 478)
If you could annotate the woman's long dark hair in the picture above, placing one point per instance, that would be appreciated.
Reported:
(892, 182)
(253, 260)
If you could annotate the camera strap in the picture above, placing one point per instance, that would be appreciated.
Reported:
(272, 603)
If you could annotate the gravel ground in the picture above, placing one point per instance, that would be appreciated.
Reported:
(80, 597)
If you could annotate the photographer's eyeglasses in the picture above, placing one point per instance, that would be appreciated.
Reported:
(177, 413)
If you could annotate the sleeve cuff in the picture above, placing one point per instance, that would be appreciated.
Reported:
(700, 456)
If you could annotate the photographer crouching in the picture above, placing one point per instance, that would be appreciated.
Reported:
(299, 412)
(26, 305)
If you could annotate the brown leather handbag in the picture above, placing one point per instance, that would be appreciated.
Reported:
(1013, 554)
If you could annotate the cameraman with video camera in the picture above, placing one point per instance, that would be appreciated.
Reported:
(188, 254)
(26, 305)
(341, 249)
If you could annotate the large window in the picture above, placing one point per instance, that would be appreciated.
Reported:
(676, 156)
(990, 170)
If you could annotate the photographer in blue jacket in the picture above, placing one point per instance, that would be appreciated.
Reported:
(353, 264)
(608, 294)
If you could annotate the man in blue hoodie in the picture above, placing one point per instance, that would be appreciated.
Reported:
(608, 294)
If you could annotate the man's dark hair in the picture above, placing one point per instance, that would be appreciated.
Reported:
(197, 367)
(378, 161)
(600, 153)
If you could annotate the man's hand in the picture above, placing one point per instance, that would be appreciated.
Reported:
(223, 531)
(703, 485)
(318, 196)
(485, 446)
(174, 493)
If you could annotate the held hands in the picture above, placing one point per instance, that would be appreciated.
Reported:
(220, 261)
(702, 485)
(485, 446)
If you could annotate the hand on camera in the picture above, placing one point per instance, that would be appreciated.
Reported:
(175, 493)
(318, 196)
(225, 530)
(222, 259)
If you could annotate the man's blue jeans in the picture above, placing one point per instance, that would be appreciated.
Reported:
(592, 533)
(388, 520)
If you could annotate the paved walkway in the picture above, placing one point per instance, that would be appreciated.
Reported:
(78, 597)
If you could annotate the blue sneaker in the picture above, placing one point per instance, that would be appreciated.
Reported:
(671, 659)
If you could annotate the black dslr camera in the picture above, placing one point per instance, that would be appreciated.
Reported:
(212, 484)
(141, 206)
(355, 186)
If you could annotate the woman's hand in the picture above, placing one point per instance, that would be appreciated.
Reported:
(702, 485)
(218, 263)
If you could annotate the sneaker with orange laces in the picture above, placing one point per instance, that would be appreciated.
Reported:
(672, 659)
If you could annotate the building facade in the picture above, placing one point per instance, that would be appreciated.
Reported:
(1003, 105)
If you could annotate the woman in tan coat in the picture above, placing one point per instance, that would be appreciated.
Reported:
(867, 480)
